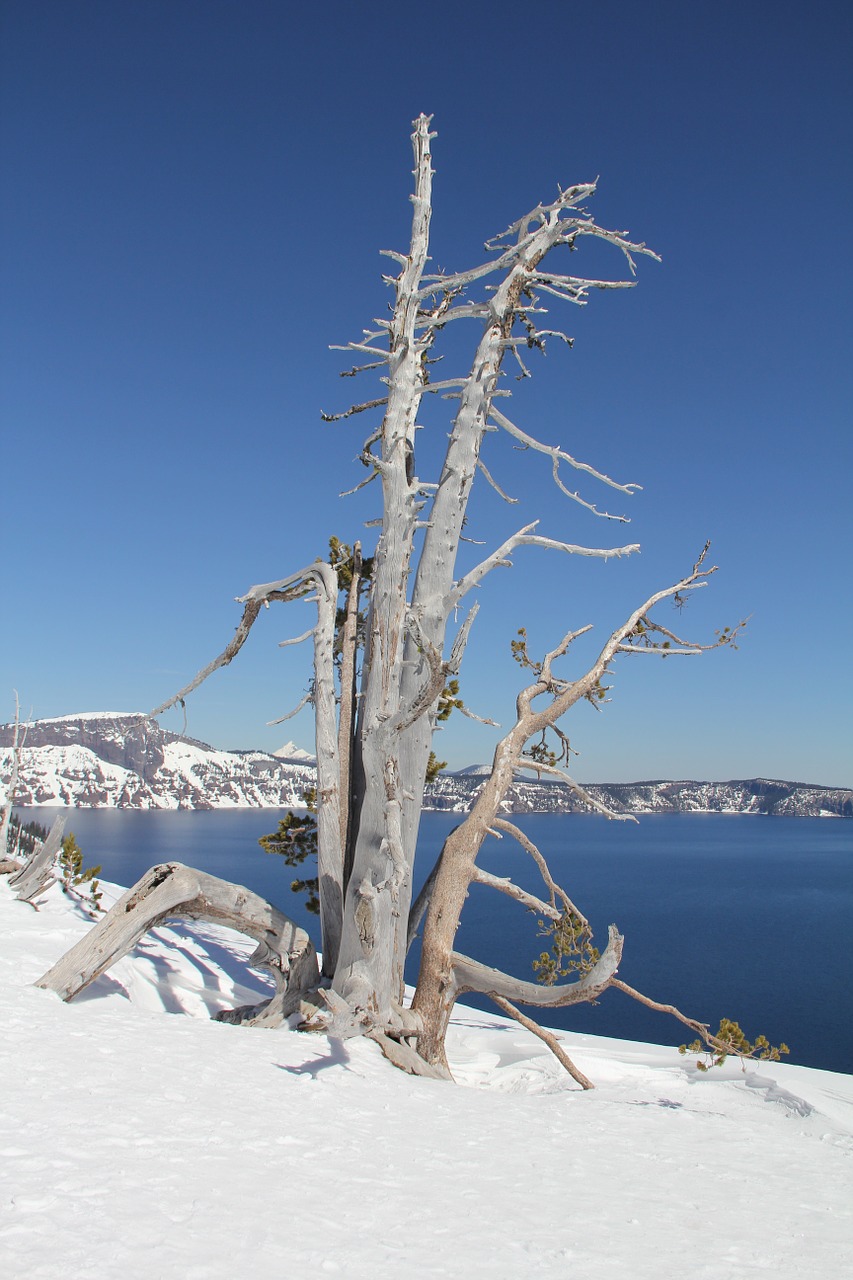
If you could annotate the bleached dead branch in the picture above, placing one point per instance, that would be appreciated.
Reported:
(481, 466)
(559, 455)
(554, 890)
(554, 771)
(548, 1037)
(303, 702)
(526, 538)
(284, 644)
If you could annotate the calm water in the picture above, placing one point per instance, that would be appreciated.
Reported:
(743, 917)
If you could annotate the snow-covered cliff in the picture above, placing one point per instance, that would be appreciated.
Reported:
(124, 761)
(753, 795)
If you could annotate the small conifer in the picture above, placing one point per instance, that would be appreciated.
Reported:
(77, 878)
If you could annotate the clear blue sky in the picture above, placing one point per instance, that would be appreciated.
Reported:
(194, 196)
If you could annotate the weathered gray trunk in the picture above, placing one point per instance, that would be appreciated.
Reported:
(407, 640)
(330, 850)
(18, 739)
(37, 872)
(369, 973)
(346, 718)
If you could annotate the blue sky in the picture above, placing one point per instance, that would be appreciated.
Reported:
(194, 199)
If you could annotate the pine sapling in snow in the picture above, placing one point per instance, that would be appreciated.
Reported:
(74, 877)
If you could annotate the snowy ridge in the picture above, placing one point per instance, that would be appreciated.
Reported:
(106, 760)
(456, 792)
(138, 1144)
(130, 762)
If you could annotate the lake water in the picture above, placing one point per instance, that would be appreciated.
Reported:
(744, 917)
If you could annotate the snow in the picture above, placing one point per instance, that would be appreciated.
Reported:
(93, 715)
(142, 1145)
(290, 751)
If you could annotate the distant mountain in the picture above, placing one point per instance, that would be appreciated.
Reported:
(124, 761)
(290, 751)
(456, 791)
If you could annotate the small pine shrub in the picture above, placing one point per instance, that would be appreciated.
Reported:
(75, 877)
(572, 949)
(295, 840)
(730, 1040)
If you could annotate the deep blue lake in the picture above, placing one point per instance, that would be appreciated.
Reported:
(744, 917)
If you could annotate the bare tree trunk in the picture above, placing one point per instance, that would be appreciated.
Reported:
(369, 973)
(37, 872)
(444, 974)
(330, 850)
(330, 854)
(18, 741)
(346, 719)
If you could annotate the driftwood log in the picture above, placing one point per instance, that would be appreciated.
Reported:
(172, 891)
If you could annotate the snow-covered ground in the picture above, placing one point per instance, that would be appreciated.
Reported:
(136, 1144)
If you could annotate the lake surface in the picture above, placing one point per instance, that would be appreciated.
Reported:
(744, 917)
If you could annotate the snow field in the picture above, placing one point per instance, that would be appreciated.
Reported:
(139, 1145)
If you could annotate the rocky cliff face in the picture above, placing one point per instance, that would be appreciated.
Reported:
(110, 760)
(127, 762)
(130, 741)
(755, 795)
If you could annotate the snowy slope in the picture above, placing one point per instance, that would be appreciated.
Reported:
(455, 791)
(140, 1145)
(117, 760)
(120, 760)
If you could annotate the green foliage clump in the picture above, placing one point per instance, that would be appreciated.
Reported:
(449, 700)
(572, 950)
(730, 1040)
(434, 767)
(76, 877)
(295, 840)
(518, 648)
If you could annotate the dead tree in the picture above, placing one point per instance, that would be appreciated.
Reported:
(372, 764)
(18, 740)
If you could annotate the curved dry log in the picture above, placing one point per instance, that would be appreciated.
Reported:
(172, 890)
(470, 975)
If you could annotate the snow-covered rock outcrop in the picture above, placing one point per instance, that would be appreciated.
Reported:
(125, 761)
(456, 791)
